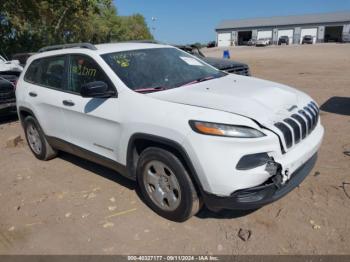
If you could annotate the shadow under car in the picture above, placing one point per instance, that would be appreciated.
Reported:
(337, 105)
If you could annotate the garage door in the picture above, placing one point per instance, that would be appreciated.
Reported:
(224, 39)
(286, 32)
(265, 34)
(308, 31)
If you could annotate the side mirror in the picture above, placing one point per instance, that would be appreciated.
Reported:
(96, 89)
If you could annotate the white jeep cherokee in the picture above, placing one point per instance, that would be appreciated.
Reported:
(186, 132)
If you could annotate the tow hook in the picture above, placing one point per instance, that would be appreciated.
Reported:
(285, 176)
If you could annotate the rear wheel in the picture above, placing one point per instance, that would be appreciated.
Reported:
(166, 186)
(36, 140)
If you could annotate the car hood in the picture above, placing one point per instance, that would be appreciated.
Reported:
(221, 64)
(264, 101)
(10, 66)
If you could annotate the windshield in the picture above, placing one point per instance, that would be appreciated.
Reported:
(158, 69)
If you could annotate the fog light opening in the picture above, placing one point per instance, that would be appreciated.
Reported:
(252, 161)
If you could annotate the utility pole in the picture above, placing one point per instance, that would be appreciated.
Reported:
(154, 19)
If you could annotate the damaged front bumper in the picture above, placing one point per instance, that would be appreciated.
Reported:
(256, 197)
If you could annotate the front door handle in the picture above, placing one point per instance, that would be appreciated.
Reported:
(68, 102)
(33, 94)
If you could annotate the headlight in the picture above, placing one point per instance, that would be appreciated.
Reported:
(215, 129)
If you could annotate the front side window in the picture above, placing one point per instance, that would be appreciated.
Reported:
(51, 72)
(83, 70)
(159, 68)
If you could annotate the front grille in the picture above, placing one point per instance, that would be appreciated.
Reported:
(308, 119)
(287, 133)
(7, 96)
(240, 70)
(300, 125)
(7, 90)
(296, 129)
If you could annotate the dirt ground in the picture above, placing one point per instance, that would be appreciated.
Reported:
(71, 206)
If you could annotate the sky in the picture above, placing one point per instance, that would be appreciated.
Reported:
(190, 21)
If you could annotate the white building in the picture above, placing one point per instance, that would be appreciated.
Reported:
(327, 27)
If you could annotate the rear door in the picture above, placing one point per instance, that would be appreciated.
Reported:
(92, 124)
(43, 84)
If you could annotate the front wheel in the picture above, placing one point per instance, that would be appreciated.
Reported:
(166, 186)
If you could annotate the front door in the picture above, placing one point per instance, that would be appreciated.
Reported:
(91, 123)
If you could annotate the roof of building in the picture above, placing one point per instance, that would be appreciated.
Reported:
(285, 20)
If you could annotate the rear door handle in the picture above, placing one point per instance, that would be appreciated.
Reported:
(33, 94)
(68, 102)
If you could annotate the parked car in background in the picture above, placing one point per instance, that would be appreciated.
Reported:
(211, 44)
(9, 73)
(226, 65)
(22, 57)
(12, 67)
(263, 42)
(7, 94)
(201, 136)
(346, 38)
(283, 40)
(251, 42)
(307, 39)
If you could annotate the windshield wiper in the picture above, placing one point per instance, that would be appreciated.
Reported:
(198, 80)
(149, 89)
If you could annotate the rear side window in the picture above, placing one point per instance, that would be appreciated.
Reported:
(51, 72)
(83, 70)
(32, 71)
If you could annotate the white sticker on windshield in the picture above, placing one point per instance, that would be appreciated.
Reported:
(191, 61)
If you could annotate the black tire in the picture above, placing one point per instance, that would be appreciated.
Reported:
(188, 204)
(46, 152)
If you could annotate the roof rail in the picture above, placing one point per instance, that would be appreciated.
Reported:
(146, 41)
(57, 47)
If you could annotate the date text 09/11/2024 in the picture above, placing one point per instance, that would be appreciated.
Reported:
(173, 258)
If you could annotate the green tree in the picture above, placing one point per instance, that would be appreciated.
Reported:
(135, 28)
(28, 25)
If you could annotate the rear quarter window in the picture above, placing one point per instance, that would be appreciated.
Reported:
(51, 72)
(47, 72)
(32, 72)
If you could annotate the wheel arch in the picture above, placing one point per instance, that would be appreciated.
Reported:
(23, 112)
(140, 141)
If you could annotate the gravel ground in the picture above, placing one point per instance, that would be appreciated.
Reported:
(71, 206)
